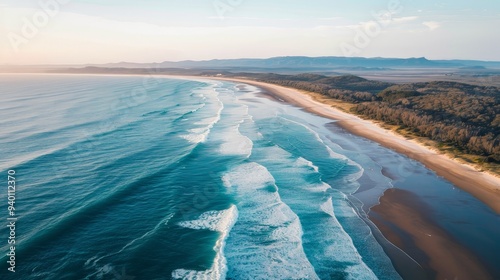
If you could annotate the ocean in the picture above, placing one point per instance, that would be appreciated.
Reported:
(146, 177)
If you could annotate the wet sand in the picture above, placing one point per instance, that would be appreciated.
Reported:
(405, 221)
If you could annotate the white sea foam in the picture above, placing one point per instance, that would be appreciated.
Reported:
(220, 221)
(344, 210)
(331, 153)
(266, 243)
(228, 132)
(328, 244)
(213, 220)
(197, 130)
(250, 176)
(348, 179)
(209, 121)
(226, 181)
(297, 166)
(236, 144)
(252, 90)
(200, 134)
(196, 138)
(327, 207)
(302, 161)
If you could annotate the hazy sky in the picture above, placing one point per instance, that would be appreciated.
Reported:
(101, 31)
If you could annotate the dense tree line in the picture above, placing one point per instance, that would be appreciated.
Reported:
(347, 88)
(464, 116)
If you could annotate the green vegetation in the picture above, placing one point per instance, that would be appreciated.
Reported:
(461, 118)
(347, 88)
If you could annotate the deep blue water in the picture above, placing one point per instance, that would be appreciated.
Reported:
(158, 178)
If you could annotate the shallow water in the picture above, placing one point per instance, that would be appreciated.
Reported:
(162, 178)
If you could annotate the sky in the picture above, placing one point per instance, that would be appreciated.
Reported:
(103, 31)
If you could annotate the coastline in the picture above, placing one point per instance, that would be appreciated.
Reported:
(407, 223)
(484, 186)
(399, 216)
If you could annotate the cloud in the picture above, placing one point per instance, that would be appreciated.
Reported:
(405, 19)
(432, 25)
(382, 22)
(331, 18)
(249, 18)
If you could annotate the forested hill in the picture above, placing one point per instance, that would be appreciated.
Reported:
(464, 116)
(348, 88)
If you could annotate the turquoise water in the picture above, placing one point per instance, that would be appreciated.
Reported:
(158, 178)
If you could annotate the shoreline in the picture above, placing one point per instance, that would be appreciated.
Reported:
(403, 220)
(483, 186)
(400, 218)
(406, 221)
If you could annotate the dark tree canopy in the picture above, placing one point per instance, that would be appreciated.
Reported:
(462, 115)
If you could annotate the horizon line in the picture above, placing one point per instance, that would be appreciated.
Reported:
(249, 58)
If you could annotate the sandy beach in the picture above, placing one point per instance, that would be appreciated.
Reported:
(402, 218)
(406, 222)
(482, 185)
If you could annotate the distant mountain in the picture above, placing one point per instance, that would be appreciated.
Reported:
(309, 63)
(287, 64)
(472, 63)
